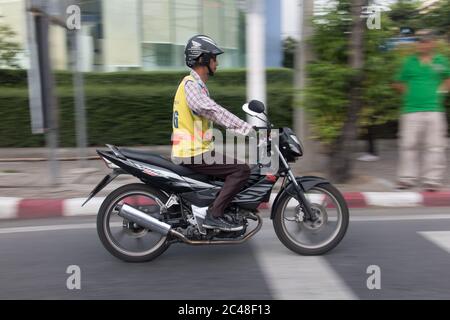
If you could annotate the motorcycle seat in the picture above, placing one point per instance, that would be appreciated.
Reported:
(160, 161)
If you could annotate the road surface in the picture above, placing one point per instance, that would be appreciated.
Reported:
(409, 247)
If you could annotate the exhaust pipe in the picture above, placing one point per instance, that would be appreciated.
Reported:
(144, 220)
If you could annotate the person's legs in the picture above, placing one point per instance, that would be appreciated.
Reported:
(409, 132)
(371, 154)
(435, 148)
(235, 174)
(234, 181)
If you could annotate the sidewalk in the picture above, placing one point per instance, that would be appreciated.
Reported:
(25, 190)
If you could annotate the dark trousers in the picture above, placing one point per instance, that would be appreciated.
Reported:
(235, 175)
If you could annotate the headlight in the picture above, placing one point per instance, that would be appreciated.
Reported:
(294, 148)
(293, 137)
(298, 148)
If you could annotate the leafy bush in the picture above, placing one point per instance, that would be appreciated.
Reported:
(330, 76)
(228, 77)
(121, 113)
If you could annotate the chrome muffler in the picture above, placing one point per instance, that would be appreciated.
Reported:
(144, 220)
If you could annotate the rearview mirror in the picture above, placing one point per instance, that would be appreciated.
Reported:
(253, 108)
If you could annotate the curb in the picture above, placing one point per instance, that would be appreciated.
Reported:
(19, 208)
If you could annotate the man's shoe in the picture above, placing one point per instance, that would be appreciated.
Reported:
(211, 222)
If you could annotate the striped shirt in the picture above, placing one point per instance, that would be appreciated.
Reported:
(197, 96)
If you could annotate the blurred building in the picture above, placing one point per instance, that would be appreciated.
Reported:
(152, 34)
(12, 14)
(148, 34)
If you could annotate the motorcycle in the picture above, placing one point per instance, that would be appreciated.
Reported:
(138, 222)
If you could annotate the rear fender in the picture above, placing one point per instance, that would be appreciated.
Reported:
(124, 167)
(105, 181)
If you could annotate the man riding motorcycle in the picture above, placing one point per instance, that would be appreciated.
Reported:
(193, 114)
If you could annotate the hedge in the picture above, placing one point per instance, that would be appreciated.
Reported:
(228, 77)
(125, 114)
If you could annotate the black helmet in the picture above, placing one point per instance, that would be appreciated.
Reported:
(200, 46)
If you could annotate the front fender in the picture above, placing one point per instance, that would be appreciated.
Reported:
(307, 183)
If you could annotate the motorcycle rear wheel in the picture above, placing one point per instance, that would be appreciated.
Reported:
(130, 194)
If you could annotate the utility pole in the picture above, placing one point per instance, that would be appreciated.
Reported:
(34, 84)
(303, 55)
(42, 24)
(255, 43)
(41, 72)
(80, 108)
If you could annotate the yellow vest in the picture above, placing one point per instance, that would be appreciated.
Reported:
(191, 133)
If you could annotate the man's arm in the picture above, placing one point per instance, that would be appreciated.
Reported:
(202, 105)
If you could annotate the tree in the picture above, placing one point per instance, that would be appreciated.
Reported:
(439, 18)
(341, 152)
(405, 13)
(349, 82)
(8, 49)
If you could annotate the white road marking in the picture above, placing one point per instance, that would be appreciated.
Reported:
(47, 228)
(439, 238)
(8, 208)
(294, 277)
(58, 227)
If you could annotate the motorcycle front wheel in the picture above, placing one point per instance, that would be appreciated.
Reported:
(304, 236)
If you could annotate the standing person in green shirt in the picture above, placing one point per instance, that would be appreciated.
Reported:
(423, 80)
